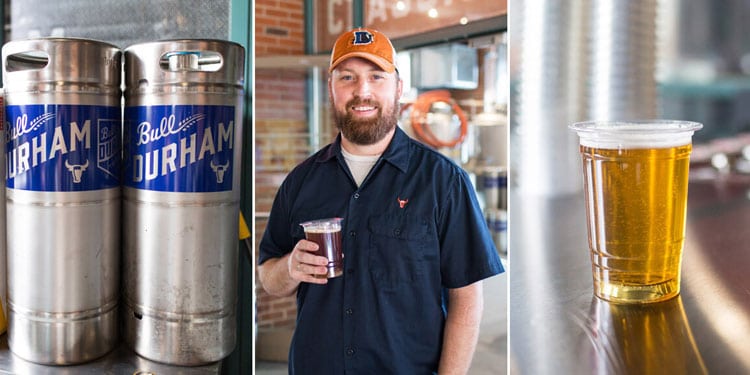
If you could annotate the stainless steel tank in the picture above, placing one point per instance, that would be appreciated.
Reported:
(3, 220)
(621, 58)
(63, 119)
(547, 91)
(183, 133)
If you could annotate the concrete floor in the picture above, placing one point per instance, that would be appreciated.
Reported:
(491, 355)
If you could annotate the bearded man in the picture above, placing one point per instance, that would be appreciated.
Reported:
(416, 247)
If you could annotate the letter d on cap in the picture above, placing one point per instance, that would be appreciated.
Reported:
(362, 37)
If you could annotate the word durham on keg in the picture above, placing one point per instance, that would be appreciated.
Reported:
(167, 148)
(40, 152)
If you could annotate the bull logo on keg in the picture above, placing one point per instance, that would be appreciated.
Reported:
(181, 148)
(219, 169)
(76, 170)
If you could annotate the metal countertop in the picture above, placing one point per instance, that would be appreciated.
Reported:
(559, 327)
(121, 360)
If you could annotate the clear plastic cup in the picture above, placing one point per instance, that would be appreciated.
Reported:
(635, 183)
(327, 234)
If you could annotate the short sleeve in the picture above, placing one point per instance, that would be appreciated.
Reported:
(467, 251)
(276, 241)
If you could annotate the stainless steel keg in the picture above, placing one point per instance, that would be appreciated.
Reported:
(492, 186)
(63, 119)
(183, 133)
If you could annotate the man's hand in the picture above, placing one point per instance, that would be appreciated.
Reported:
(303, 266)
(282, 276)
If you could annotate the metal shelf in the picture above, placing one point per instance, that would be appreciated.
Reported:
(121, 360)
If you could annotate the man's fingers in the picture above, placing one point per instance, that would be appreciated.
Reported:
(303, 254)
(304, 265)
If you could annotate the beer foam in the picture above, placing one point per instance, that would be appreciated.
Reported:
(635, 134)
(323, 230)
(323, 225)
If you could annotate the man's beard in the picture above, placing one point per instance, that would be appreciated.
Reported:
(366, 131)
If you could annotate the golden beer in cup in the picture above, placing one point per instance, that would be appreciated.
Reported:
(635, 182)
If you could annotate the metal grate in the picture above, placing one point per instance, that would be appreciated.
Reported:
(120, 22)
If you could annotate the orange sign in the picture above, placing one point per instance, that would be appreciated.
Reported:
(400, 18)
(332, 17)
(409, 17)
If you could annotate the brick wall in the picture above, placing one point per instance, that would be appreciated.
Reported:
(280, 128)
(279, 27)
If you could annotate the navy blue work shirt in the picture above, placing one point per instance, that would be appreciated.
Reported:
(411, 230)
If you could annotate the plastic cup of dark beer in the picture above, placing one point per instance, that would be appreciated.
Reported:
(635, 177)
(327, 234)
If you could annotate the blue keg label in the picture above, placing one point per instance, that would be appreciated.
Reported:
(62, 148)
(497, 225)
(180, 148)
(496, 181)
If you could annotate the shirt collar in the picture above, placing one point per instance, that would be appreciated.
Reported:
(397, 152)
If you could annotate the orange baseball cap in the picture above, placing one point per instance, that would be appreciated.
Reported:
(365, 43)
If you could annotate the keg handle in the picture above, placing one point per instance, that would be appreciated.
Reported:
(191, 61)
(29, 60)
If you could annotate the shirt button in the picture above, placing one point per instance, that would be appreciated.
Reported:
(397, 232)
(352, 233)
(350, 271)
(356, 195)
(350, 352)
(349, 311)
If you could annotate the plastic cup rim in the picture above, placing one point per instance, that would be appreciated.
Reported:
(636, 126)
(322, 222)
(635, 134)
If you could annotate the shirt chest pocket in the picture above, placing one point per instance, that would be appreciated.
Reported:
(402, 249)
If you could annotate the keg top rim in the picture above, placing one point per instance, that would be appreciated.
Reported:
(181, 40)
(62, 40)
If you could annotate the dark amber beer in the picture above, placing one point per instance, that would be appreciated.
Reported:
(635, 184)
(327, 234)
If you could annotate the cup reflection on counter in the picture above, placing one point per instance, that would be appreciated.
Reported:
(327, 234)
(635, 183)
(642, 339)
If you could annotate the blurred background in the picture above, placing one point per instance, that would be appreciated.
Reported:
(581, 60)
(586, 60)
(453, 60)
